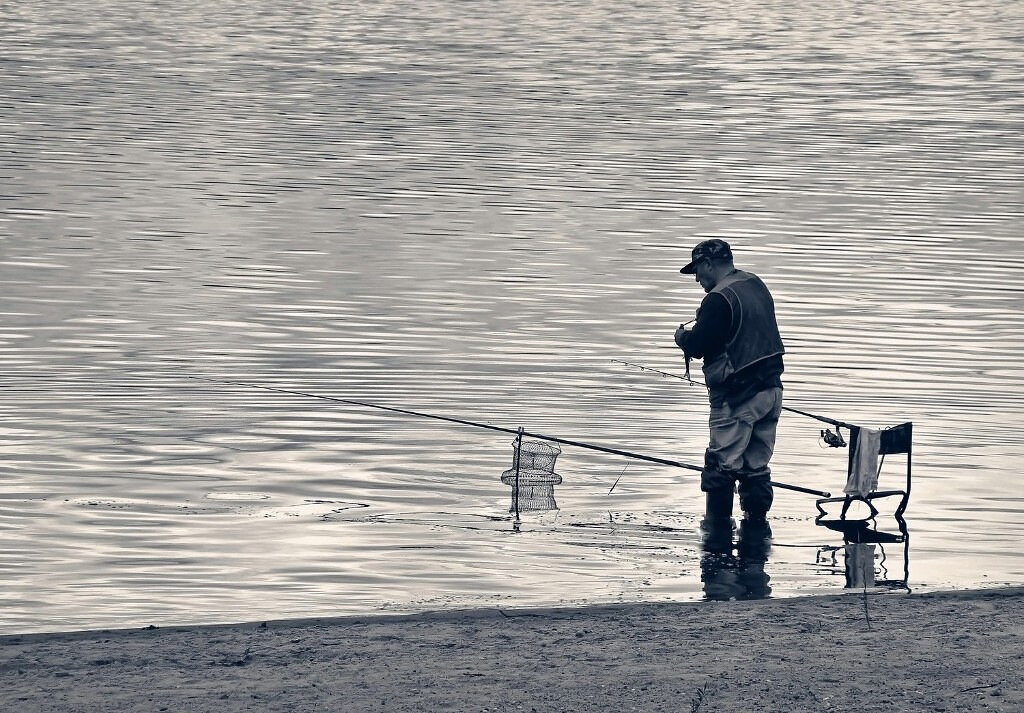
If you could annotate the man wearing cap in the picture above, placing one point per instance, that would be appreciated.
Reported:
(737, 337)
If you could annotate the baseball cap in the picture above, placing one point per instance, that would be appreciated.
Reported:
(714, 249)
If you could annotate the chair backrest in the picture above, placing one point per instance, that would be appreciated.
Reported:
(897, 439)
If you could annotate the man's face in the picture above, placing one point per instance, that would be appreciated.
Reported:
(705, 275)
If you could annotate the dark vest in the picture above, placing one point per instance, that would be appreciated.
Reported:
(756, 333)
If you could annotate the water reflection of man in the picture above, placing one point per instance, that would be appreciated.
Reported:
(742, 575)
(737, 336)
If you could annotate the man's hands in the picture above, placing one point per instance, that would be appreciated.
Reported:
(680, 335)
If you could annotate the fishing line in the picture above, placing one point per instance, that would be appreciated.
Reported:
(823, 419)
(519, 432)
(617, 480)
(464, 422)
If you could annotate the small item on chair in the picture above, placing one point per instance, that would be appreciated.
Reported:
(863, 476)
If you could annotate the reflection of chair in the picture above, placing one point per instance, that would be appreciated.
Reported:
(858, 536)
(864, 531)
(897, 439)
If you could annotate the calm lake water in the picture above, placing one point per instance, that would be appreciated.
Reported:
(472, 210)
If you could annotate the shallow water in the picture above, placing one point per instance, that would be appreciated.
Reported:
(472, 211)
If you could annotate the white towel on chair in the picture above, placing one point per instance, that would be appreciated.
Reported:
(863, 477)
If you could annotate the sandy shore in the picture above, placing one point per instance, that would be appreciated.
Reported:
(959, 651)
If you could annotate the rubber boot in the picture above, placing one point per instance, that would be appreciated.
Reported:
(754, 534)
(718, 509)
(756, 498)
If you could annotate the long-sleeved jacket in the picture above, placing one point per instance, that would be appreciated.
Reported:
(738, 338)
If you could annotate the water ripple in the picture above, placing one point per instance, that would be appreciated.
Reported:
(425, 206)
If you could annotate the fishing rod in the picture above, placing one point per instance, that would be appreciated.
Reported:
(516, 432)
(823, 419)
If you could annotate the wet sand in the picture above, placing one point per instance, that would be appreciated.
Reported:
(954, 651)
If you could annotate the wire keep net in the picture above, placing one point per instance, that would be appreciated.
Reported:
(537, 476)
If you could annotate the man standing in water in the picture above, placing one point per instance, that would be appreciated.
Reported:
(736, 335)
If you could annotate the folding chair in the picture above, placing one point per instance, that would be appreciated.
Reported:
(898, 439)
